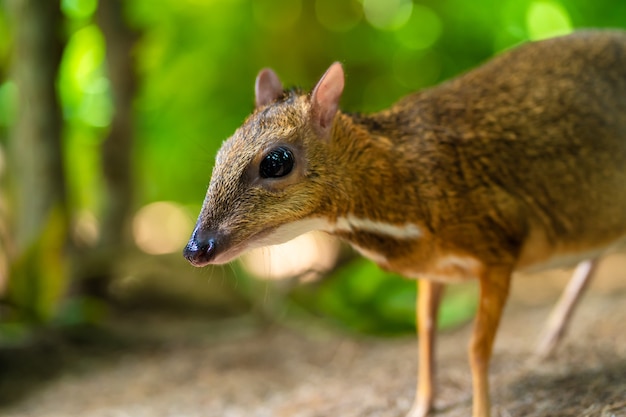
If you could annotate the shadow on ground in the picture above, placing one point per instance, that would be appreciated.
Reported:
(160, 366)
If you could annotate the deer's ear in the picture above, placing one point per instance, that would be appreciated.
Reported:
(267, 87)
(325, 99)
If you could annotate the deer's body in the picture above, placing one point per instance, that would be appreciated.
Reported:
(518, 164)
(520, 161)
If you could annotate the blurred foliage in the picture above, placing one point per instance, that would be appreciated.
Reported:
(197, 61)
(39, 276)
(362, 297)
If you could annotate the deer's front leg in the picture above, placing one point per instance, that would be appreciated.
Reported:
(428, 299)
(494, 289)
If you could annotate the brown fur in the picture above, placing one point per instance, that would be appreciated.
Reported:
(508, 166)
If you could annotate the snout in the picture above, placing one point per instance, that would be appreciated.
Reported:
(201, 248)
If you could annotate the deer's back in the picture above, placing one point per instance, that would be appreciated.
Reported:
(534, 142)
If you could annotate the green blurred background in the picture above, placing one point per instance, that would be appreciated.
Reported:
(111, 113)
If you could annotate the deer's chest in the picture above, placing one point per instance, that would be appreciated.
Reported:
(407, 250)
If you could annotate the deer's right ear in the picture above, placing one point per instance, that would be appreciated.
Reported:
(267, 87)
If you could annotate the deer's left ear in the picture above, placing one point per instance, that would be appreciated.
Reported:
(267, 87)
(325, 99)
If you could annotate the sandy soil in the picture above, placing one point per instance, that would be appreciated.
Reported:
(157, 366)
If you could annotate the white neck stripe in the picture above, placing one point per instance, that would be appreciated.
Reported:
(352, 223)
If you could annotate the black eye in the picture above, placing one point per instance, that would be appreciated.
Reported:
(277, 163)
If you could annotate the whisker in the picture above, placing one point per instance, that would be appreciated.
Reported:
(235, 274)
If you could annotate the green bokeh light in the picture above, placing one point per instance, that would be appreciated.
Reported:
(387, 14)
(545, 19)
(84, 88)
(79, 9)
(422, 30)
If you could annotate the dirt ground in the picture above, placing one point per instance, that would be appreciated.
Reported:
(157, 366)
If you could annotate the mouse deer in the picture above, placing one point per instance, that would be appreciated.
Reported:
(517, 165)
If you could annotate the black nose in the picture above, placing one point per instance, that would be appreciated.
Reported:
(200, 249)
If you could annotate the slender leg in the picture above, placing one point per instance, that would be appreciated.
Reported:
(562, 312)
(429, 296)
(494, 289)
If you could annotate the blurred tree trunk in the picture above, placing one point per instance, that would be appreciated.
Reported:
(117, 149)
(40, 213)
(36, 155)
